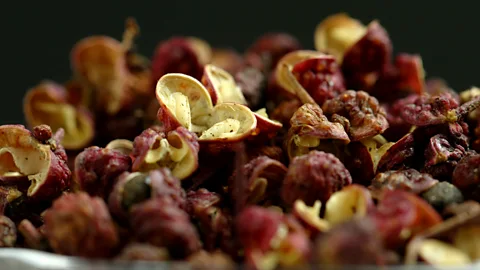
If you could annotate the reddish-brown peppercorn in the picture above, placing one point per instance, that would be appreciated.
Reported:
(314, 176)
(160, 222)
(80, 225)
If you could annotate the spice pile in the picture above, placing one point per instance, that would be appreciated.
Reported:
(267, 158)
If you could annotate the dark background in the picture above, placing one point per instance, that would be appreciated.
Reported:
(37, 38)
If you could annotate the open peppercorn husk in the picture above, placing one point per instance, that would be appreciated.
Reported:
(35, 157)
(108, 97)
(351, 42)
(214, 112)
(277, 157)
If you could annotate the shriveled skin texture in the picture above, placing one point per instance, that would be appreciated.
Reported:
(59, 174)
(80, 225)
(135, 188)
(353, 243)
(467, 173)
(429, 110)
(57, 181)
(367, 59)
(260, 167)
(321, 77)
(309, 120)
(161, 223)
(343, 155)
(314, 176)
(408, 179)
(202, 199)
(96, 169)
(459, 133)
(364, 115)
(215, 222)
(164, 184)
(310, 129)
(442, 155)
(439, 109)
(432, 149)
(42, 133)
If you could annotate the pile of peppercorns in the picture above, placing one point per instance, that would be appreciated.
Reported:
(278, 157)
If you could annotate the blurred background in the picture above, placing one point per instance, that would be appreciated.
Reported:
(39, 35)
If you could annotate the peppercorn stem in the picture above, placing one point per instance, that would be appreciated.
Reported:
(131, 31)
(468, 107)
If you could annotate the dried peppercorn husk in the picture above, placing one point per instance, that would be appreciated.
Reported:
(80, 225)
(274, 158)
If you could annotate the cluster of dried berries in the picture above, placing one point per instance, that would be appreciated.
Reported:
(361, 160)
